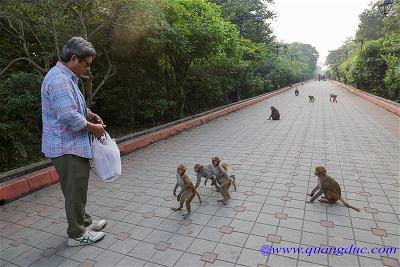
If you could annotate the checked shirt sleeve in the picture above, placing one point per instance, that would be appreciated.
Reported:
(63, 103)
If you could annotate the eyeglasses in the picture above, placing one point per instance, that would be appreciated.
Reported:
(88, 64)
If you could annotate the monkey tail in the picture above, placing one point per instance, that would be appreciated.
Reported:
(233, 164)
(233, 182)
(347, 205)
(195, 191)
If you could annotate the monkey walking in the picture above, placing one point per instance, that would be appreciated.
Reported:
(311, 98)
(223, 178)
(188, 192)
(329, 187)
(333, 98)
(274, 114)
(226, 182)
(206, 172)
(296, 92)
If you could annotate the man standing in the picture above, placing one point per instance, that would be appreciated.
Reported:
(67, 125)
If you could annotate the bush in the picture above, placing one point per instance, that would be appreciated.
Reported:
(20, 118)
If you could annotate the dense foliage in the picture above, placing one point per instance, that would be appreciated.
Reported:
(158, 60)
(371, 61)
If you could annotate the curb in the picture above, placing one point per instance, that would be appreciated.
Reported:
(21, 186)
(383, 103)
(26, 184)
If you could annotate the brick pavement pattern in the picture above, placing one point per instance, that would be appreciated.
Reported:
(357, 141)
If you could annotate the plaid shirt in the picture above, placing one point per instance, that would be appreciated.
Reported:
(64, 115)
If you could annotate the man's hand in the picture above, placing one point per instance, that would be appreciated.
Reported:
(94, 118)
(96, 129)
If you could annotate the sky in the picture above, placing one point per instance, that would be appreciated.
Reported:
(325, 24)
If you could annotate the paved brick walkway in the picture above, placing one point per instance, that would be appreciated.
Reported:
(357, 141)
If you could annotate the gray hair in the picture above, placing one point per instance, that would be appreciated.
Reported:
(79, 47)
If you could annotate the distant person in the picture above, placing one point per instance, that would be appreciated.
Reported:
(67, 125)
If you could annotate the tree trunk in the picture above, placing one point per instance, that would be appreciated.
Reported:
(182, 98)
(89, 91)
(131, 97)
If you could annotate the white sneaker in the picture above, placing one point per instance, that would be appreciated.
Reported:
(97, 225)
(88, 238)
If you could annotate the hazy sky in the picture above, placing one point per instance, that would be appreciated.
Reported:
(325, 24)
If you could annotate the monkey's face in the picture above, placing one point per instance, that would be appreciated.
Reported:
(320, 171)
(181, 169)
(215, 161)
(198, 168)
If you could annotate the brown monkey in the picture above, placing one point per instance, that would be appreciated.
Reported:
(333, 98)
(180, 171)
(329, 187)
(296, 92)
(274, 114)
(311, 98)
(188, 192)
(219, 170)
(206, 172)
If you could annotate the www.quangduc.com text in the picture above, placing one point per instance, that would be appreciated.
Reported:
(338, 251)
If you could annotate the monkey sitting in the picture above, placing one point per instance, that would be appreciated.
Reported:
(329, 187)
(333, 98)
(206, 172)
(296, 92)
(311, 98)
(188, 192)
(219, 170)
(274, 114)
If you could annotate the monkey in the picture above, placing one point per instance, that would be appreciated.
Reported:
(206, 172)
(302, 83)
(274, 114)
(188, 192)
(180, 171)
(333, 98)
(311, 99)
(219, 170)
(329, 187)
(296, 92)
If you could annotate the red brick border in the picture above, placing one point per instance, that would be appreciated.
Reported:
(371, 99)
(23, 185)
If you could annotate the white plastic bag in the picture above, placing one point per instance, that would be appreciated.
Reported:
(106, 159)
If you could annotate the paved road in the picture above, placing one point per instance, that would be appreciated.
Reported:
(357, 141)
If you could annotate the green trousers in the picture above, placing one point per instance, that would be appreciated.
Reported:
(73, 172)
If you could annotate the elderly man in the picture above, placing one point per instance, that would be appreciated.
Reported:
(67, 126)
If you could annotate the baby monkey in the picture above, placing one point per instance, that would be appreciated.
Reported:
(296, 92)
(311, 98)
(188, 191)
(274, 114)
(332, 98)
(329, 187)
